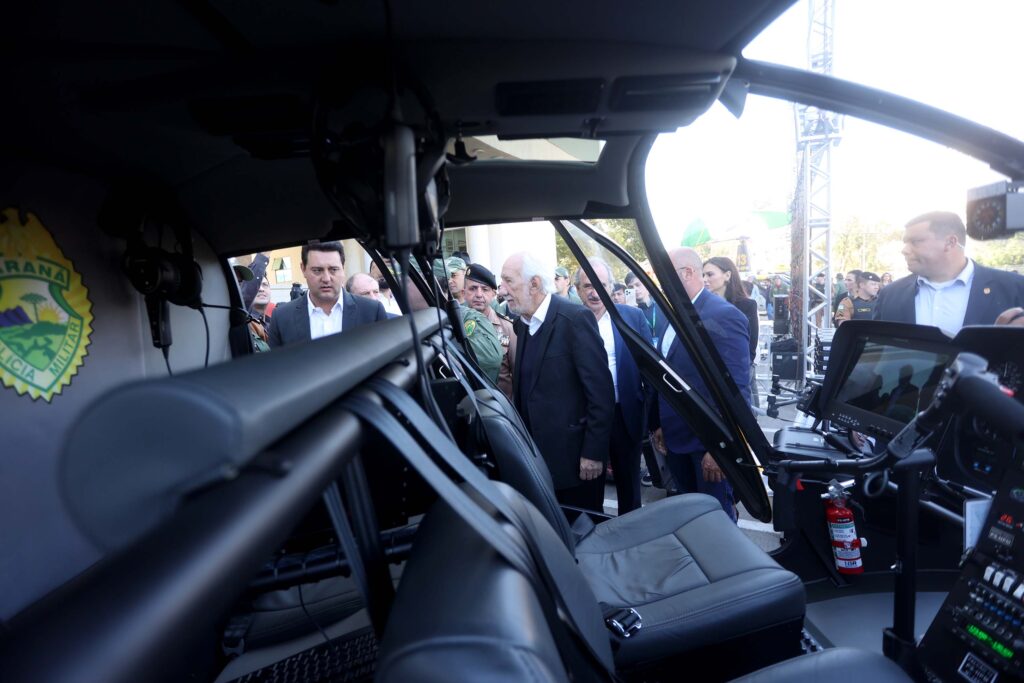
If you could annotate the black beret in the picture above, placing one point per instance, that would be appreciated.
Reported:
(477, 272)
(867, 276)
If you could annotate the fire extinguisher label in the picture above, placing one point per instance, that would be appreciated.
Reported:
(843, 531)
(847, 564)
(851, 554)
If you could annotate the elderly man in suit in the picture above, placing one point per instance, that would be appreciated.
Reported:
(945, 288)
(561, 384)
(326, 308)
(693, 468)
(630, 420)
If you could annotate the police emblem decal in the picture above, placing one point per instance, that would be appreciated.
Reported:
(45, 312)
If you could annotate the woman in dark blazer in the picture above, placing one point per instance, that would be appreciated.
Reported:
(721, 277)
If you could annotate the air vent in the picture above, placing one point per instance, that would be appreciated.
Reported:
(664, 93)
(545, 98)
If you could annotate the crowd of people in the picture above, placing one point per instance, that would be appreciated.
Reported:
(547, 340)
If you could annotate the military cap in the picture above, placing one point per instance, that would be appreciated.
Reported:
(867, 276)
(479, 273)
(561, 272)
(453, 264)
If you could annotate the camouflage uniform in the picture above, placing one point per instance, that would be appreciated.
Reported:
(502, 325)
(482, 340)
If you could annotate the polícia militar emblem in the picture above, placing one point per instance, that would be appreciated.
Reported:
(45, 312)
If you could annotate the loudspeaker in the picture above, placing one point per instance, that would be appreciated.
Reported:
(786, 365)
(781, 320)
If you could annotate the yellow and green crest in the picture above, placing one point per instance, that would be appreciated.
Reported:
(45, 312)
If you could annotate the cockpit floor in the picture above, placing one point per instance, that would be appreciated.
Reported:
(858, 620)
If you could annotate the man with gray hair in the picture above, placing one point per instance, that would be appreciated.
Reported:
(362, 284)
(560, 382)
(692, 466)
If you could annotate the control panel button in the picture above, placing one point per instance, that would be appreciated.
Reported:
(1008, 583)
(1019, 592)
(989, 571)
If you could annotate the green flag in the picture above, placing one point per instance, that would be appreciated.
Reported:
(774, 219)
(696, 234)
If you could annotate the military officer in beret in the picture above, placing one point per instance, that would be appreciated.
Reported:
(483, 341)
(868, 284)
(481, 288)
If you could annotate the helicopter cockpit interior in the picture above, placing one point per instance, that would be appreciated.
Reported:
(369, 505)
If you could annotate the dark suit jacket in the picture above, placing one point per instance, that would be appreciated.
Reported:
(727, 327)
(570, 401)
(632, 393)
(290, 323)
(748, 307)
(992, 292)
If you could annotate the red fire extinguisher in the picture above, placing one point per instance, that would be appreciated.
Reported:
(846, 544)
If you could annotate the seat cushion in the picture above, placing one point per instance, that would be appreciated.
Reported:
(692, 575)
(837, 665)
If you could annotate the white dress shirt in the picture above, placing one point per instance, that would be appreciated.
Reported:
(321, 324)
(604, 326)
(670, 333)
(538, 316)
(944, 304)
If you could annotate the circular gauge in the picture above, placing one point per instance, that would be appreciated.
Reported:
(986, 217)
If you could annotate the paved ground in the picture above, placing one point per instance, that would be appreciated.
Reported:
(761, 533)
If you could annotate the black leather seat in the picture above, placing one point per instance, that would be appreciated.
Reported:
(694, 578)
(463, 614)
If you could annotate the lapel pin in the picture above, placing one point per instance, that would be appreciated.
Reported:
(987, 290)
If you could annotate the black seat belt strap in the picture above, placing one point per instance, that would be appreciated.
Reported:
(500, 399)
(446, 450)
(336, 511)
(488, 529)
(482, 523)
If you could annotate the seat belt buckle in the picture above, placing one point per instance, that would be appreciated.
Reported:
(624, 622)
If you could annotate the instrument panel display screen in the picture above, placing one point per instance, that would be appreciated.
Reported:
(892, 381)
(984, 637)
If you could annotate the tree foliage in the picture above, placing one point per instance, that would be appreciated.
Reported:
(622, 231)
(867, 245)
(1006, 253)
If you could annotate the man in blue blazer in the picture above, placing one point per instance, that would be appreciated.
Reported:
(691, 465)
(326, 308)
(630, 416)
(945, 288)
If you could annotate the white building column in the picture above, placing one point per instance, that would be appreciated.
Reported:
(478, 244)
(535, 237)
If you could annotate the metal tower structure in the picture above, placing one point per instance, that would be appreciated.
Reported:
(817, 132)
